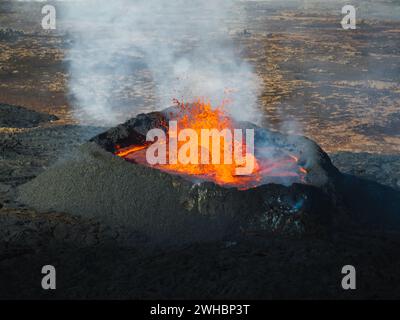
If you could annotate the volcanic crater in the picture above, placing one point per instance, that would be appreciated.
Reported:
(96, 181)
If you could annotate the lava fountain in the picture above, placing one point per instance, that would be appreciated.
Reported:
(268, 163)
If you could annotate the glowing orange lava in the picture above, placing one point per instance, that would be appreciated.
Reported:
(200, 115)
(123, 152)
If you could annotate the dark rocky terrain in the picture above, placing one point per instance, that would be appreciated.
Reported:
(345, 97)
(92, 263)
(19, 117)
(96, 260)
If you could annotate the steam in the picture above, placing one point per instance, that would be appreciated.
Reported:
(185, 46)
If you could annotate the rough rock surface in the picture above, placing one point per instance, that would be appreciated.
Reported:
(19, 117)
(97, 262)
(382, 168)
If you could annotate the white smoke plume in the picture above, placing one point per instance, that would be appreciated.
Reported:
(185, 45)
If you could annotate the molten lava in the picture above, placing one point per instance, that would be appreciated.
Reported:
(200, 115)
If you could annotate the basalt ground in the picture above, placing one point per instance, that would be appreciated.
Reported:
(344, 96)
(99, 259)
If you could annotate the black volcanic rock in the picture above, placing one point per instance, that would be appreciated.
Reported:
(19, 117)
